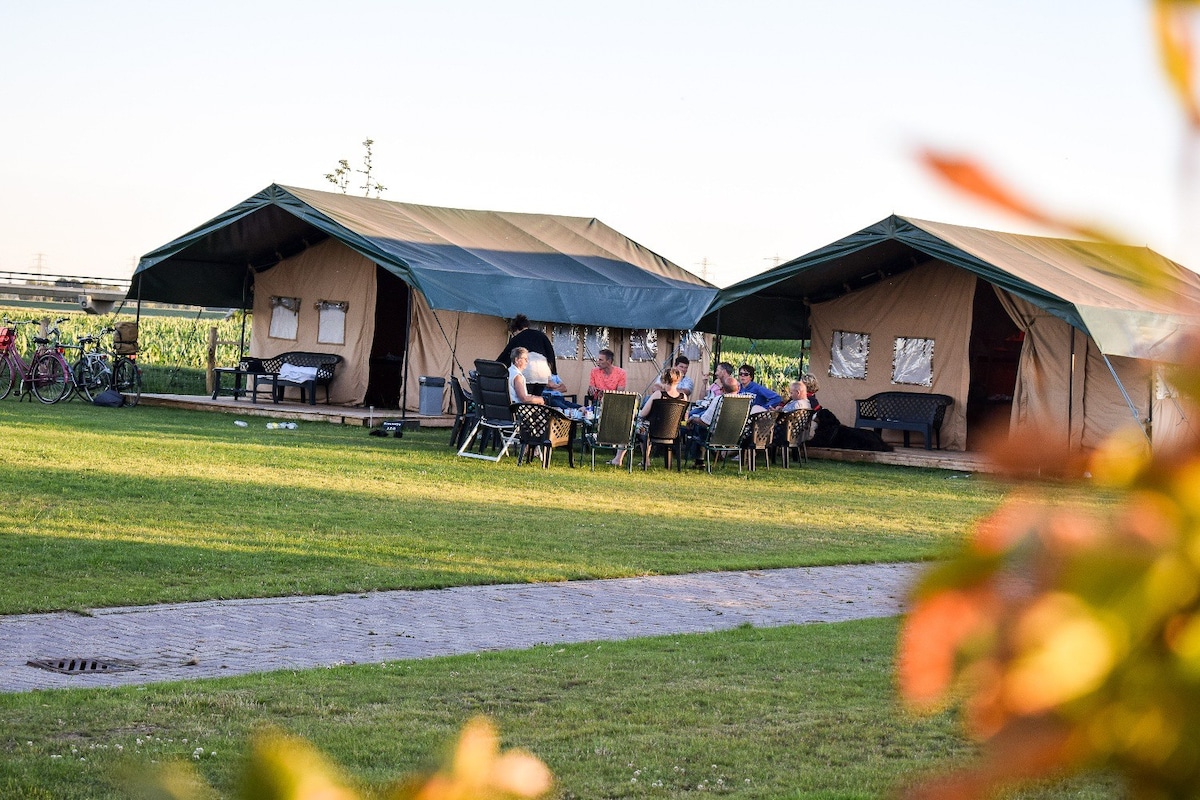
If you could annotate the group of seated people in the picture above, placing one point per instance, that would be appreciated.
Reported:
(531, 380)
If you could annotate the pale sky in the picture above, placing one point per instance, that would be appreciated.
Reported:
(720, 135)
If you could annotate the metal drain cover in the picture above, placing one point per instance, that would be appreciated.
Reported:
(82, 666)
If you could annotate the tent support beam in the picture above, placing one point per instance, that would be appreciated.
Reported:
(1128, 400)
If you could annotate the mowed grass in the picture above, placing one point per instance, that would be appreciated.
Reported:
(793, 712)
(106, 507)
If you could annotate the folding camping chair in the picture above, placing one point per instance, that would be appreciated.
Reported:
(495, 410)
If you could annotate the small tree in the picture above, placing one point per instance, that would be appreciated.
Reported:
(340, 177)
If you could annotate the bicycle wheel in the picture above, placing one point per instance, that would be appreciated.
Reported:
(6, 377)
(50, 381)
(127, 379)
(91, 377)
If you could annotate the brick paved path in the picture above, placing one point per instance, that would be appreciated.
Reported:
(233, 637)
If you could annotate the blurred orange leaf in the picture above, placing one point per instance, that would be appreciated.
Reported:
(1175, 49)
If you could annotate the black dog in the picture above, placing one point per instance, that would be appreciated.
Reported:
(830, 432)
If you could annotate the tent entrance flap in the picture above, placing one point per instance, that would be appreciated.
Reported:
(388, 349)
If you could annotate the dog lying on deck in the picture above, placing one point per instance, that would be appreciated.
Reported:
(830, 432)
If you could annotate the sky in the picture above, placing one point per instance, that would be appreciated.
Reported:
(725, 136)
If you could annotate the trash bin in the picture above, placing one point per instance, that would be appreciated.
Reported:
(431, 395)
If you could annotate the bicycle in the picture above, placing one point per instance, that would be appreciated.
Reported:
(37, 377)
(99, 369)
(91, 370)
(54, 380)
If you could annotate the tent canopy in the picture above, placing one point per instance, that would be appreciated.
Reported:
(551, 268)
(1090, 285)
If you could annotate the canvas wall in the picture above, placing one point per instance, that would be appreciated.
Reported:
(327, 271)
(933, 301)
(438, 337)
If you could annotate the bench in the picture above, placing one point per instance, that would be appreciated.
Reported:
(904, 411)
(267, 371)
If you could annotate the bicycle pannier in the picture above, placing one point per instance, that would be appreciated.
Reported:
(109, 398)
(125, 338)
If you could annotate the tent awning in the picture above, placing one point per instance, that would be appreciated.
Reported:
(1090, 285)
(550, 268)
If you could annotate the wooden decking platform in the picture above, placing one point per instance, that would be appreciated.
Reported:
(354, 415)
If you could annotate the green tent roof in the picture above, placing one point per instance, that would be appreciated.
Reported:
(1087, 284)
(551, 268)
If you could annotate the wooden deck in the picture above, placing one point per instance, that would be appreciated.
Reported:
(353, 415)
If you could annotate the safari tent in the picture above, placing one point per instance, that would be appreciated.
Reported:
(1019, 330)
(402, 290)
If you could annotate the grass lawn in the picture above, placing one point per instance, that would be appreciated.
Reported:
(793, 712)
(130, 506)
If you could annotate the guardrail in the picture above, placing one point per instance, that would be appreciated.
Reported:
(39, 279)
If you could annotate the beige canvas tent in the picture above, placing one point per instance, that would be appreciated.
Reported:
(402, 291)
(1017, 329)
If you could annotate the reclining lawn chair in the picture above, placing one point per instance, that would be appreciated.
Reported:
(614, 427)
(495, 411)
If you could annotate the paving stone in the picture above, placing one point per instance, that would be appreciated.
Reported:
(219, 638)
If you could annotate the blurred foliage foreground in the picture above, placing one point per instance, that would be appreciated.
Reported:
(1072, 638)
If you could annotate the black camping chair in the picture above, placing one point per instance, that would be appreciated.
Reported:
(495, 410)
(541, 426)
(664, 428)
(464, 412)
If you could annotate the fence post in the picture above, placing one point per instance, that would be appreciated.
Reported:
(212, 359)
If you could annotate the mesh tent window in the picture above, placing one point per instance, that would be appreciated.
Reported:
(595, 339)
(691, 344)
(331, 322)
(848, 355)
(285, 318)
(643, 344)
(566, 342)
(912, 361)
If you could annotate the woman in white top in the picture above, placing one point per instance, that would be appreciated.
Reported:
(517, 392)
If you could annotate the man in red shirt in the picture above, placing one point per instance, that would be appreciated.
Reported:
(606, 377)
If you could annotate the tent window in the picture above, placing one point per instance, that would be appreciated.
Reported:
(643, 345)
(285, 317)
(331, 324)
(848, 355)
(691, 344)
(595, 339)
(566, 342)
(912, 361)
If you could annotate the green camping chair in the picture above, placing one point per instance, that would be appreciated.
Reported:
(725, 433)
(614, 426)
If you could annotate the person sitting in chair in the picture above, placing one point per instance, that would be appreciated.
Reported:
(698, 426)
(669, 381)
(762, 395)
(797, 397)
(517, 391)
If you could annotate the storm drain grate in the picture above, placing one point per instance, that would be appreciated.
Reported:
(81, 666)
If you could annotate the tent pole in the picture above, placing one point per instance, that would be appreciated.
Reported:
(1128, 400)
(242, 337)
(407, 350)
(1071, 393)
(138, 314)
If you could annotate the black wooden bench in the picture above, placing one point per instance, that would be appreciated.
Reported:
(266, 371)
(904, 411)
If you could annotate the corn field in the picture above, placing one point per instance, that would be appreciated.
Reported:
(172, 351)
